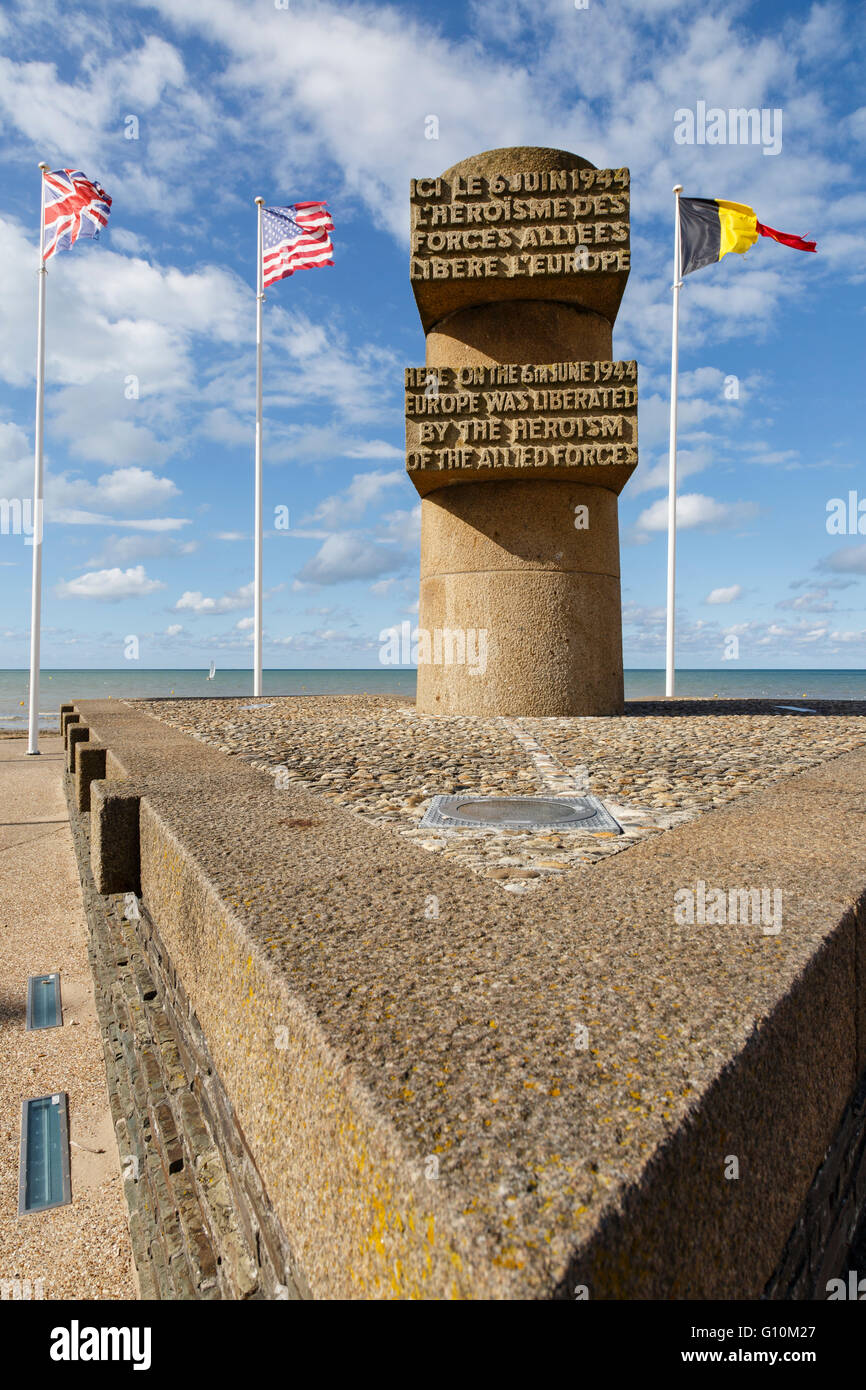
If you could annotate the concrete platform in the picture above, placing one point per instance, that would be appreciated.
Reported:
(520, 1095)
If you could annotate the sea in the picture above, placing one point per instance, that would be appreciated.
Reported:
(57, 687)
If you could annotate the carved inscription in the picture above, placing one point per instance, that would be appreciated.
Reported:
(564, 414)
(506, 226)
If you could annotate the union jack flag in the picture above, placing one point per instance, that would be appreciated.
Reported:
(295, 238)
(74, 206)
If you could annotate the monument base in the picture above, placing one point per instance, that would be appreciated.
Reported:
(468, 1104)
(520, 600)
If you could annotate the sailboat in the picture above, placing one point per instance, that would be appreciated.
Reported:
(212, 672)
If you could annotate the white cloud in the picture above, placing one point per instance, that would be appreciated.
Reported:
(650, 476)
(695, 510)
(345, 557)
(59, 116)
(174, 630)
(402, 527)
(132, 489)
(851, 559)
(110, 584)
(72, 516)
(131, 243)
(815, 601)
(319, 638)
(194, 601)
(126, 550)
(121, 369)
(729, 595)
(374, 449)
(353, 501)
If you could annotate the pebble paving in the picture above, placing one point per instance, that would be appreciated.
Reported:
(661, 763)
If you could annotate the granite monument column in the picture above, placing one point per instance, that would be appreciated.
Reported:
(521, 432)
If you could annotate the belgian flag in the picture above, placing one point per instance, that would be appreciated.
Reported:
(710, 227)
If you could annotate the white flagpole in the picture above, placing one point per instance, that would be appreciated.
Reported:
(36, 590)
(257, 585)
(672, 462)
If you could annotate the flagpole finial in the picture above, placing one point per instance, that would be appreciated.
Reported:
(260, 201)
(678, 188)
(43, 165)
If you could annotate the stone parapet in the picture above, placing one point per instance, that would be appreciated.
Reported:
(413, 1096)
(200, 1222)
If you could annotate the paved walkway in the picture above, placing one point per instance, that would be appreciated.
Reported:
(82, 1250)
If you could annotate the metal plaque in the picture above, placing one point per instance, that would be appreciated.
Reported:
(518, 813)
(43, 1002)
(43, 1174)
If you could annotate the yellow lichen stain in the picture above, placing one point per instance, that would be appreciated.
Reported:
(431, 1229)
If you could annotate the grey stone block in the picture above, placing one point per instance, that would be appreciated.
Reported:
(77, 733)
(68, 716)
(114, 845)
(89, 765)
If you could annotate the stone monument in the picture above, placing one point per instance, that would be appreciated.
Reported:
(521, 432)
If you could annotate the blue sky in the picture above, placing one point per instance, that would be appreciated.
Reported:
(149, 499)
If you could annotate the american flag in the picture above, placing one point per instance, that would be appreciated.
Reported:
(74, 206)
(295, 238)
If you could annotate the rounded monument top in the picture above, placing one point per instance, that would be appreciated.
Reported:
(513, 159)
